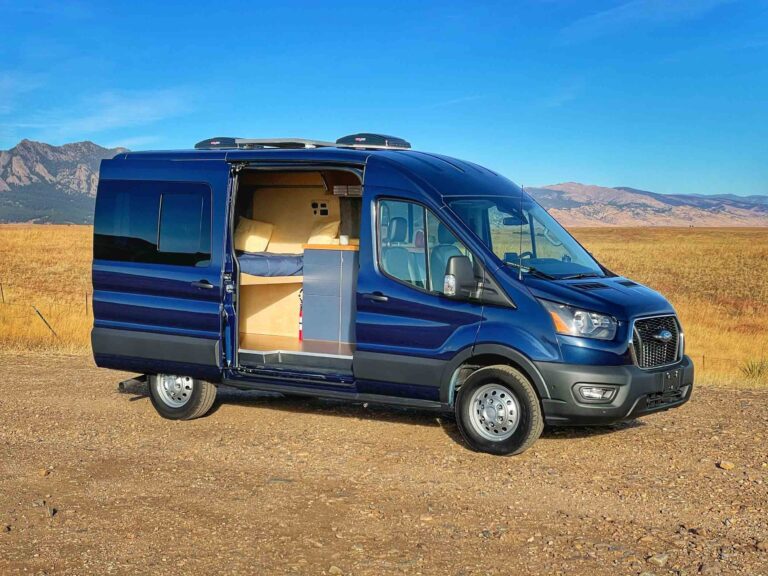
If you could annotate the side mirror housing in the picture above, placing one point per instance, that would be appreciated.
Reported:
(459, 278)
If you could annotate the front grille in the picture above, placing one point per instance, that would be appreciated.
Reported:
(650, 351)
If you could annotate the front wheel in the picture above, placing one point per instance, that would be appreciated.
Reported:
(180, 397)
(498, 411)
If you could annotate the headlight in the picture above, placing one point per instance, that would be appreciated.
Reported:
(575, 322)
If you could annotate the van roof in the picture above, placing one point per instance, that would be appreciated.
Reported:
(325, 154)
(450, 176)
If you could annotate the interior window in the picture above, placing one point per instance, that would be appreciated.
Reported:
(441, 246)
(511, 233)
(402, 246)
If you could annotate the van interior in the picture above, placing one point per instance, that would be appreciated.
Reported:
(296, 239)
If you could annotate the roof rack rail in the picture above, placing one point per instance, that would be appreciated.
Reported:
(361, 140)
(227, 142)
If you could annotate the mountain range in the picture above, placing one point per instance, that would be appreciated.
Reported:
(575, 204)
(47, 184)
(57, 184)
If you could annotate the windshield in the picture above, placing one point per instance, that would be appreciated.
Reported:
(522, 234)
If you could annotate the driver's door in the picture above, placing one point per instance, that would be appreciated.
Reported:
(407, 330)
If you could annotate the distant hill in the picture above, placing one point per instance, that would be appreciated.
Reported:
(44, 183)
(57, 184)
(575, 204)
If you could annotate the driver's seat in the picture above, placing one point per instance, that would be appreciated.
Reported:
(440, 254)
(396, 259)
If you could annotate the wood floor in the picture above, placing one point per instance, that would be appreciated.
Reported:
(270, 343)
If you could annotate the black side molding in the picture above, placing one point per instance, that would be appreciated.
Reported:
(153, 346)
(398, 368)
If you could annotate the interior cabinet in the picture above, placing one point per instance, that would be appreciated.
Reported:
(330, 287)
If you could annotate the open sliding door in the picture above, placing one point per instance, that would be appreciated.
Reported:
(158, 268)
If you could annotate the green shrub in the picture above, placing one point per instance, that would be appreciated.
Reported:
(755, 369)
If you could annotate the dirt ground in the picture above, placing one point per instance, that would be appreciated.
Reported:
(92, 481)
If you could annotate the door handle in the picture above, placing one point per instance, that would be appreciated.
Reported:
(202, 284)
(376, 297)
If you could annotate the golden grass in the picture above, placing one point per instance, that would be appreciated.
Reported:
(716, 278)
(48, 267)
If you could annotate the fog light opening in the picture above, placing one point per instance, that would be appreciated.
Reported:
(597, 394)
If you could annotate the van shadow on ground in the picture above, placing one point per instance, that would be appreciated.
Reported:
(343, 409)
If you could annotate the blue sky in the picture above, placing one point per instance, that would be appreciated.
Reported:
(663, 95)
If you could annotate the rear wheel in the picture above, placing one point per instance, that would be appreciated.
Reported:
(181, 397)
(498, 411)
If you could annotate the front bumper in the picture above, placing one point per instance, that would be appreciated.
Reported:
(639, 392)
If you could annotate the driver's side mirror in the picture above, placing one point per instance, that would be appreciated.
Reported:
(459, 278)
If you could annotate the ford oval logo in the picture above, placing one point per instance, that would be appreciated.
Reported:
(663, 336)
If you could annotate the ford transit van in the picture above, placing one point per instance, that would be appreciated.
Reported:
(366, 271)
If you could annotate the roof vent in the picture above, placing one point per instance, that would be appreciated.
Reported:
(368, 140)
(218, 142)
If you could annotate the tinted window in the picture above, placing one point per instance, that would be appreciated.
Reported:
(402, 245)
(153, 222)
(441, 246)
(185, 227)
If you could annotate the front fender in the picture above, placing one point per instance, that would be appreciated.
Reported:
(515, 357)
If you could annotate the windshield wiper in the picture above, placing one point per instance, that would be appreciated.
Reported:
(581, 275)
(530, 270)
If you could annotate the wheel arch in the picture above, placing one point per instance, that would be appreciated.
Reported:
(481, 355)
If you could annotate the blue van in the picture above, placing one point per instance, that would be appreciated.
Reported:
(363, 270)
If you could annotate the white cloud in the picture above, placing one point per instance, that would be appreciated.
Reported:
(14, 85)
(636, 13)
(565, 93)
(111, 110)
(107, 111)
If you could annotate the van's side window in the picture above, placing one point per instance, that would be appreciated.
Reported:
(153, 222)
(185, 228)
(441, 246)
(402, 246)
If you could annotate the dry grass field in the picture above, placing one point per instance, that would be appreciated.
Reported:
(48, 267)
(716, 278)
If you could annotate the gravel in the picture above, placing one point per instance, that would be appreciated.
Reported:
(271, 485)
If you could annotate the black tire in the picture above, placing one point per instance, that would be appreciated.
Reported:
(530, 421)
(199, 402)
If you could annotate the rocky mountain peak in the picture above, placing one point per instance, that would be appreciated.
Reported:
(42, 182)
